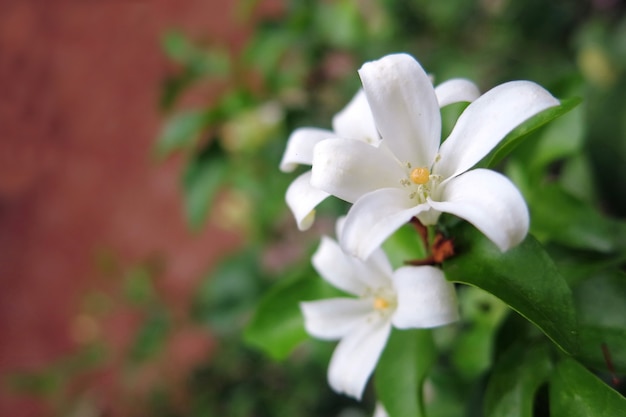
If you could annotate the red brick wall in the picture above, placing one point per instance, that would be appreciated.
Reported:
(79, 84)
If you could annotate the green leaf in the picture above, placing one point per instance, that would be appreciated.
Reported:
(277, 326)
(227, 294)
(600, 303)
(515, 379)
(199, 59)
(562, 138)
(576, 392)
(202, 180)
(472, 350)
(517, 135)
(577, 225)
(524, 277)
(405, 244)
(401, 371)
(176, 45)
(151, 337)
(138, 286)
(181, 131)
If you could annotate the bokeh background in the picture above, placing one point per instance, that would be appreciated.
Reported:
(84, 209)
(119, 294)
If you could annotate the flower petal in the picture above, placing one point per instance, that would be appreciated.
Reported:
(355, 121)
(425, 298)
(337, 267)
(333, 318)
(405, 108)
(378, 263)
(302, 199)
(299, 149)
(486, 121)
(456, 90)
(348, 168)
(356, 355)
(374, 217)
(490, 202)
(380, 411)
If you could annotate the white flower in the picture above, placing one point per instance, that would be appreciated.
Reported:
(356, 122)
(380, 411)
(409, 297)
(409, 174)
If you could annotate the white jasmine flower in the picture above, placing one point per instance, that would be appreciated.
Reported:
(409, 174)
(356, 122)
(380, 411)
(409, 297)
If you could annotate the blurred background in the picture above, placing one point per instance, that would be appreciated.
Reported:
(141, 207)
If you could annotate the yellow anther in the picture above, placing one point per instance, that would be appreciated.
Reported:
(380, 303)
(420, 175)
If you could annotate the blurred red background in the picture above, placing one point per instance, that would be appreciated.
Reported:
(79, 88)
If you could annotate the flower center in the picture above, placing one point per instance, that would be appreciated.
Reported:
(420, 175)
(420, 183)
(380, 303)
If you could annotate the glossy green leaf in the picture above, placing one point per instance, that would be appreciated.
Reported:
(517, 135)
(277, 326)
(515, 379)
(602, 315)
(401, 371)
(524, 277)
(181, 131)
(576, 392)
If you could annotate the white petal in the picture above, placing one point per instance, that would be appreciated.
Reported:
(374, 217)
(405, 108)
(487, 121)
(299, 149)
(355, 121)
(333, 318)
(302, 199)
(375, 272)
(456, 90)
(425, 298)
(341, 220)
(490, 202)
(380, 411)
(355, 357)
(337, 267)
(348, 168)
(378, 262)
(348, 273)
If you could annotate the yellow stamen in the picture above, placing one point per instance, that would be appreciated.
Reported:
(380, 303)
(420, 175)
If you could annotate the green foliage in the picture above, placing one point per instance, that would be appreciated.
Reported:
(534, 320)
(225, 295)
(577, 392)
(513, 139)
(277, 326)
(602, 316)
(515, 380)
(203, 179)
(401, 372)
(151, 337)
(182, 131)
(524, 277)
(578, 225)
